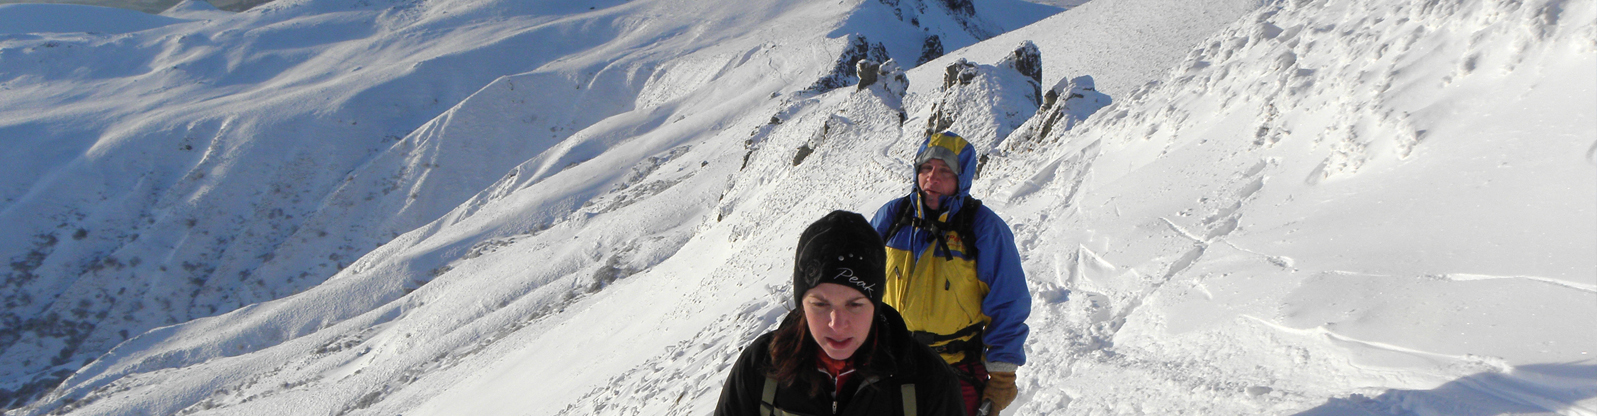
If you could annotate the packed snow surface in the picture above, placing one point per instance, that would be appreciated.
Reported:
(1224, 207)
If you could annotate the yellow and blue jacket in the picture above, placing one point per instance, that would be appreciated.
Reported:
(975, 292)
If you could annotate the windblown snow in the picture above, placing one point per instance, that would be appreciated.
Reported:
(1285, 207)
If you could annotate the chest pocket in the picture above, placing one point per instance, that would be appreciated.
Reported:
(937, 295)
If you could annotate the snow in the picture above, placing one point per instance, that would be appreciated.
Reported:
(25, 19)
(502, 207)
(1122, 44)
(1305, 218)
(195, 10)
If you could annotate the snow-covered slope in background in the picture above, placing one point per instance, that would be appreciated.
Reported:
(1300, 207)
(195, 10)
(23, 19)
(1123, 44)
(1393, 200)
(198, 167)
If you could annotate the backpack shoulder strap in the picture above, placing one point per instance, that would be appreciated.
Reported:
(909, 399)
(768, 397)
(903, 217)
(964, 223)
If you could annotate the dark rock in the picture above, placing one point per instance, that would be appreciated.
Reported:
(803, 152)
(939, 121)
(844, 71)
(1026, 59)
(961, 7)
(931, 49)
(960, 73)
(867, 70)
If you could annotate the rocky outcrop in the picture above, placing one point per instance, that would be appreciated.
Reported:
(866, 69)
(984, 103)
(1026, 60)
(931, 49)
(1070, 102)
(893, 78)
(844, 71)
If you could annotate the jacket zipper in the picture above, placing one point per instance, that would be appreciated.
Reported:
(835, 380)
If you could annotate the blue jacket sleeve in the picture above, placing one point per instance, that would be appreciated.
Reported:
(1008, 300)
(884, 216)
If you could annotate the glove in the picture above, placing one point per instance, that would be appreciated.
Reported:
(1000, 389)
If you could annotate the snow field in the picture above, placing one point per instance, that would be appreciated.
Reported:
(1306, 207)
(348, 345)
(1304, 221)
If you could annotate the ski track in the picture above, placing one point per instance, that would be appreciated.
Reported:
(1465, 277)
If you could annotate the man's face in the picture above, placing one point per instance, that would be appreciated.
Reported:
(936, 180)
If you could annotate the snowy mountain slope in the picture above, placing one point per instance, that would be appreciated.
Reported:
(22, 19)
(313, 223)
(1123, 44)
(1222, 241)
(191, 220)
(1152, 325)
(195, 10)
(159, 6)
(1390, 200)
(298, 110)
(982, 102)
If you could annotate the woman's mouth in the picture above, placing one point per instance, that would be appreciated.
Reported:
(837, 344)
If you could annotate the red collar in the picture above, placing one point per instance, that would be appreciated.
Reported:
(831, 366)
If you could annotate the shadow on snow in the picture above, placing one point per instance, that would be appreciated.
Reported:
(1530, 389)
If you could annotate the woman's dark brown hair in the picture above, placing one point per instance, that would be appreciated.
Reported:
(793, 353)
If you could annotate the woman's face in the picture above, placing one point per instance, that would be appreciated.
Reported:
(839, 318)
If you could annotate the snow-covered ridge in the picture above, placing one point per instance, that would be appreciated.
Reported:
(1371, 197)
(195, 10)
(1295, 208)
(206, 165)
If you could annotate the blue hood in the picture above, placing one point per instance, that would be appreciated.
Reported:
(944, 146)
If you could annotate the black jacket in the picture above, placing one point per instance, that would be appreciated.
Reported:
(898, 360)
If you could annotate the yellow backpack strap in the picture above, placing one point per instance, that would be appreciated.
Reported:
(768, 397)
(909, 399)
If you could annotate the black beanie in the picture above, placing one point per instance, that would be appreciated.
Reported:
(840, 248)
